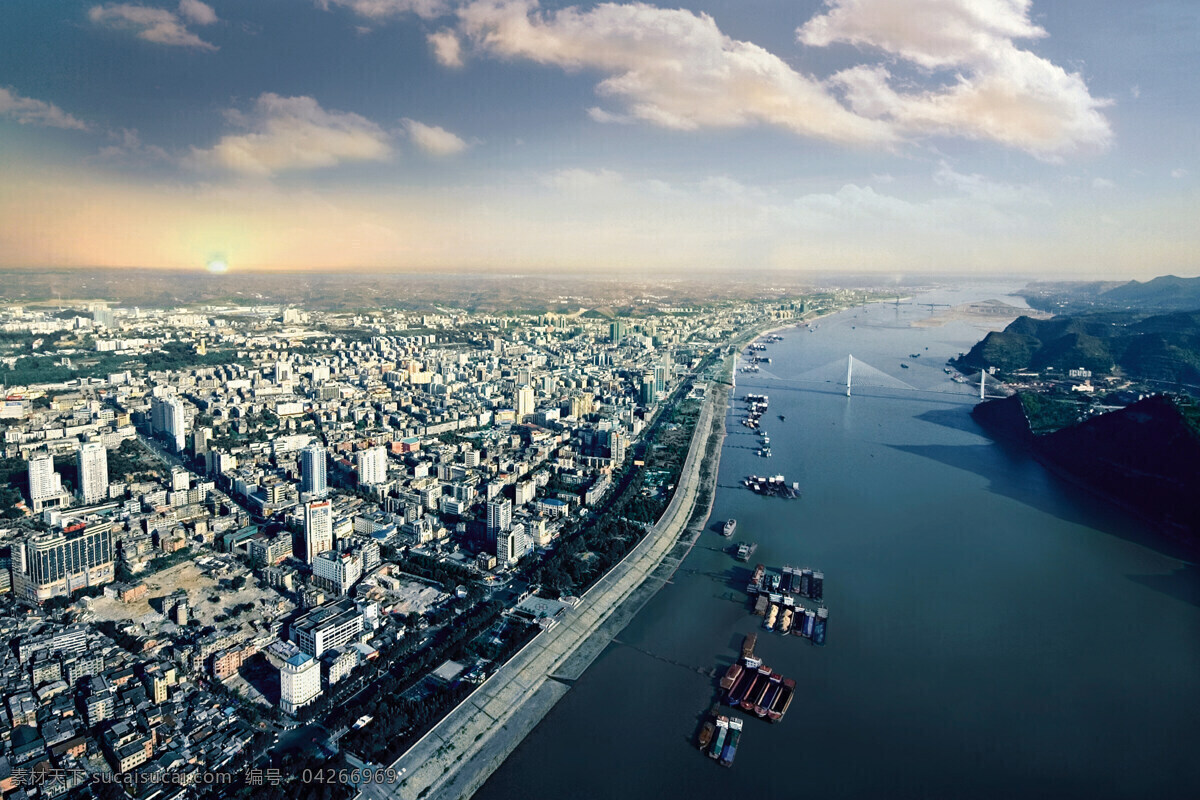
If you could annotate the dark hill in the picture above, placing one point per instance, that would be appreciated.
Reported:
(1163, 347)
(1145, 456)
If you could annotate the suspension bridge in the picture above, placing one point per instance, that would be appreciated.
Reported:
(851, 374)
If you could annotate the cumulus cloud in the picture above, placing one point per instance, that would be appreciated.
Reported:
(669, 67)
(158, 24)
(447, 48)
(295, 133)
(999, 92)
(433, 140)
(197, 12)
(382, 9)
(28, 111)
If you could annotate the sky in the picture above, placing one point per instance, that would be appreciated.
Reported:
(1043, 138)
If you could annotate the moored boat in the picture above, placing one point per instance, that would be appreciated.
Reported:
(740, 688)
(748, 644)
(731, 676)
(729, 752)
(706, 734)
(782, 700)
(719, 740)
(768, 697)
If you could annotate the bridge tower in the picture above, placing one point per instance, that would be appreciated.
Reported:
(849, 372)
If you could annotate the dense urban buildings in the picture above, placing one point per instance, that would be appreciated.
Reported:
(300, 495)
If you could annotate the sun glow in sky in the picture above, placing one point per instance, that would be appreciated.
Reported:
(1026, 136)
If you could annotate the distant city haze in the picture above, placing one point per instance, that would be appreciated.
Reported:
(1022, 137)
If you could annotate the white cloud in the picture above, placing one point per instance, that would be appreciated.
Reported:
(197, 12)
(433, 140)
(1178, 173)
(28, 111)
(382, 9)
(978, 187)
(671, 68)
(157, 24)
(582, 180)
(1103, 183)
(999, 92)
(128, 146)
(447, 48)
(600, 115)
(295, 133)
(931, 33)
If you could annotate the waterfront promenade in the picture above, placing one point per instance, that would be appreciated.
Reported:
(461, 751)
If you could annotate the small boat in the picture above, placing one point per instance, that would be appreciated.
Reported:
(706, 734)
(782, 417)
(903, 366)
(730, 527)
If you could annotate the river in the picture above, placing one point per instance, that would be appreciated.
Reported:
(993, 630)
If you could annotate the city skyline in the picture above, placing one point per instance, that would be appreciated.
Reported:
(368, 135)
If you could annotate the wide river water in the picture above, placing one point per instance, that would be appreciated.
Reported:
(993, 630)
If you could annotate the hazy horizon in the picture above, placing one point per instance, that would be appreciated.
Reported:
(1016, 137)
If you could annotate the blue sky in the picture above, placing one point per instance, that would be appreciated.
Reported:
(1016, 136)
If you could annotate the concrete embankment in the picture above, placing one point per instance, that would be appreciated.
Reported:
(458, 754)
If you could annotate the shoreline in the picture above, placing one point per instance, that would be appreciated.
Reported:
(527, 687)
(520, 694)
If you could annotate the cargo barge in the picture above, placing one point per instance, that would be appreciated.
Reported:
(783, 699)
(718, 741)
(731, 676)
(729, 752)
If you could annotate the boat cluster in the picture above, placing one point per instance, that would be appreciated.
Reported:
(773, 486)
(776, 601)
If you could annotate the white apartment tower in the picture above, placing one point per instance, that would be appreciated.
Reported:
(92, 462)
(372, 466)
(318, 528)
(312, 471)
(167, 416)
(524, 402)
(44, 482)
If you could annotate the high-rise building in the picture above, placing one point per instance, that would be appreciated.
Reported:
(92, 462)
(616, 331)
(167, 417)
(648, 393)
(660, 379)
(44, 482)
(318, 528)
(524, 402)
(299, 682)
(499, 516)
(372, 465)
(312, 471)
(512, 545)
(46, 565)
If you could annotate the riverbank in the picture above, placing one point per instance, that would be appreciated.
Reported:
(462, 751)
